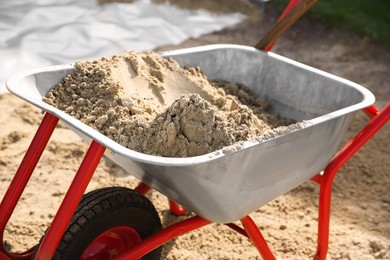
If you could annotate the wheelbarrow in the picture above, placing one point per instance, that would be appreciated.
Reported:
(219, 187)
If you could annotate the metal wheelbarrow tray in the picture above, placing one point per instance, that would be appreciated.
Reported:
(224, 186)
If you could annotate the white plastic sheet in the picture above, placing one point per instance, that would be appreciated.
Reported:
(38, 33)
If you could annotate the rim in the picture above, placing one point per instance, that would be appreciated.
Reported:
(111, 243)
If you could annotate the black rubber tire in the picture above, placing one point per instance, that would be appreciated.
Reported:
(107, 208)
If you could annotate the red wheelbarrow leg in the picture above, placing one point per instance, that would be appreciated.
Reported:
(371, 111)
(71, 201)
(326, 180)
(176, 208)
(22, 177)
(257, 238)
(142, 188)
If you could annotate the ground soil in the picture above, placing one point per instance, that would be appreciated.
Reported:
(360, 227)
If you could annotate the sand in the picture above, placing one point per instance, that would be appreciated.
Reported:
(217, 7)
(152, 105)
(360, 227)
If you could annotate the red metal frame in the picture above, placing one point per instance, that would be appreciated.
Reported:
(71, 201)
(379, 119)
(21, 178)
(257, 238)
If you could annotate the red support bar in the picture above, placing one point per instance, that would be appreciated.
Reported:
(142, 188)
(22, 176)
(371, 111)
(257, 238)
(331, 170)
(317, 178)
(237, 229)
(176, 208)
(70, 202)
(290, 5)
(359, 140)
(165, 235)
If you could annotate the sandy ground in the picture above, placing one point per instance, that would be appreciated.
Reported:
(360, 227)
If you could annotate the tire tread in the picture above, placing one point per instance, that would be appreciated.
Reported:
(102, 202)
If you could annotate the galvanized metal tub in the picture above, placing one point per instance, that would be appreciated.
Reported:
(225, 186)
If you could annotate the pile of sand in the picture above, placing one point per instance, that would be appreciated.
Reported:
(152, 105)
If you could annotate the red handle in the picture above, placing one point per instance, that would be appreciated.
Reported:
(291, 14)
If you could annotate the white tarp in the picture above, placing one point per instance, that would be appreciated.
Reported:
(38, 33)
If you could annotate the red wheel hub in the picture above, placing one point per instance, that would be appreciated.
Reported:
(111, 243)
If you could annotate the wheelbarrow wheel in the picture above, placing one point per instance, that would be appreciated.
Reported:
(108, 222)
